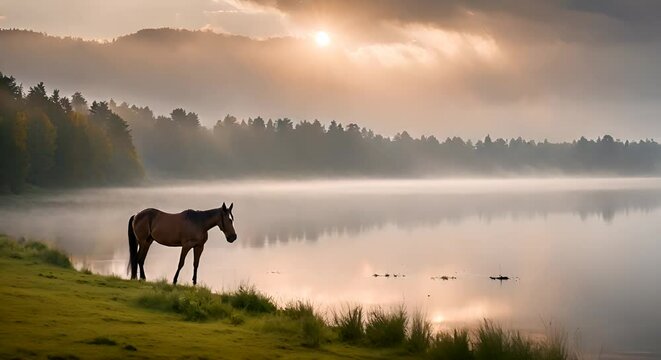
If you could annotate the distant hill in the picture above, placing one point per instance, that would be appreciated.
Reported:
(212, 73)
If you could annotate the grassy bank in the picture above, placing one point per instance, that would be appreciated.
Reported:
(50, 310)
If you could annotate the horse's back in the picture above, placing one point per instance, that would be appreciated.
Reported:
(152, 214)
(165, 228)
(149, 212)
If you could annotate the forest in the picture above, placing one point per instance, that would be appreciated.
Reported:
(53, 141)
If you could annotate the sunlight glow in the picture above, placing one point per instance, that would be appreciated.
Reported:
(437, 319)
(322, 39)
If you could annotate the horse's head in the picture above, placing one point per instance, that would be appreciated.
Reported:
(226, 222)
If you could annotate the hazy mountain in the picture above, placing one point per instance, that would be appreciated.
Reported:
(558, 92)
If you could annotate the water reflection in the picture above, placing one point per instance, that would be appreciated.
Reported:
(86, 221)
(585, 251)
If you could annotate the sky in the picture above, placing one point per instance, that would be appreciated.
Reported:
(555, 69)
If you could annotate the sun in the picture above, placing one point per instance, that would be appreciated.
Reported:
(322, 39)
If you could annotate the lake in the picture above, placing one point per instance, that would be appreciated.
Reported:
(582, 254)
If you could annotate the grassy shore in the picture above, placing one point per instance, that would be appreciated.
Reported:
(49, 310)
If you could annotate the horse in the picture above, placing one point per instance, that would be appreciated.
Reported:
(187, 229)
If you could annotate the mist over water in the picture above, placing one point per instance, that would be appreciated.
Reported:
(582, 253)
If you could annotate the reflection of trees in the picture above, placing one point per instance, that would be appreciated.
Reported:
(95, 221)
(309, 219)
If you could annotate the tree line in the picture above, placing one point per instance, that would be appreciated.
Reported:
(177, 145)
(50, 140)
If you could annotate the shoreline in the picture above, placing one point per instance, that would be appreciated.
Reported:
(59, 311)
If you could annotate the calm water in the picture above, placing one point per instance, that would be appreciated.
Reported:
(584, 254)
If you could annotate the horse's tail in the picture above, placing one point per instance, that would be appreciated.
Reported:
(133, 250)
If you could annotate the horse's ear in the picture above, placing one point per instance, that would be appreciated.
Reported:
(224, 206)
(231, 206)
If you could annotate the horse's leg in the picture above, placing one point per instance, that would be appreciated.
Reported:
(142, 255)
(197, 252)
(141, 232)
(182, 259)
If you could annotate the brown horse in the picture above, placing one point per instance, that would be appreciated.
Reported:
(187, 229)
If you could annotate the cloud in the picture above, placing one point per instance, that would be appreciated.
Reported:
(214, 28)
(241, 18)
(428, 46)
(391, 55)
(444, 82)
(452, 44)
(247, 7)
(515, 20)
(536, 67)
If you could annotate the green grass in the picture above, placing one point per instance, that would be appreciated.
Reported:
(349, 323)
(453, 345)
(49, 310)
(248, 299)
(298, 320)
(56, 312)
(493, 342)
(386, 328)
(555, 346)
(299, 309)
(236, 319)
(193, 303)
(313, 327)
(34, 251)
(420, 333)
(102, 341)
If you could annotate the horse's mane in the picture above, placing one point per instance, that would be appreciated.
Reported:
(199, 216)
